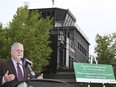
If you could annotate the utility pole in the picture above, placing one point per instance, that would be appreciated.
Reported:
(52, 2)
(92, 59)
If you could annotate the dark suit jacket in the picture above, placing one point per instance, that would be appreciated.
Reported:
(8, 65)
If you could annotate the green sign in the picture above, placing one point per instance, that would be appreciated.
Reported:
(94, 73)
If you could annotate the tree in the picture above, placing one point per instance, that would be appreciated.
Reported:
(3, 43)
(106, 48)
(106, 51)
(32, 31)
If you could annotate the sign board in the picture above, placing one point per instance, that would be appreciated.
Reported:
(93, 73)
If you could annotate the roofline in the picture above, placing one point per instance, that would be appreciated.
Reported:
(70, 13)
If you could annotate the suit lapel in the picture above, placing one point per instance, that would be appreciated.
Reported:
(12, 69)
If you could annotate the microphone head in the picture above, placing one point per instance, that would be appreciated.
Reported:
(26, 62)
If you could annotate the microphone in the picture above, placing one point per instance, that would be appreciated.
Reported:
(26, 62)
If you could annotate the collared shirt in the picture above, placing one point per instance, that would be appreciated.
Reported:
(20, 65)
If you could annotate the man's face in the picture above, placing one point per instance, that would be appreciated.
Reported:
(17, 53)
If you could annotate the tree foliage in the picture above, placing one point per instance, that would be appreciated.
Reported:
(32, 31)
(106, 48)
(4, 54)
(106, 51)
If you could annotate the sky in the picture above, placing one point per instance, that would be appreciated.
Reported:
(92, 16)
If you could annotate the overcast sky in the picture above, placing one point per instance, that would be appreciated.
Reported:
(93, 16)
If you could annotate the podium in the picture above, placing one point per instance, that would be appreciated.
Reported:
(42, 83)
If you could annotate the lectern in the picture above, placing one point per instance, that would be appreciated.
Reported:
(42, 83)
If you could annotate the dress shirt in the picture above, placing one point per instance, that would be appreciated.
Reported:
(20, 65)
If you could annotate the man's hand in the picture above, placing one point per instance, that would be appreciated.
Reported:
(9, 77)
(40, 76)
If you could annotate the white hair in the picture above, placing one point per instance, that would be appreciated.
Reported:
(16, 44)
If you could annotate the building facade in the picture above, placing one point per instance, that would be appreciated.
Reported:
(68, 42)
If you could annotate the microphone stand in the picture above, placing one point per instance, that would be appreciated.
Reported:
(31, 75)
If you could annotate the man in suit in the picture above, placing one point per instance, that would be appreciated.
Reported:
(8, 69)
